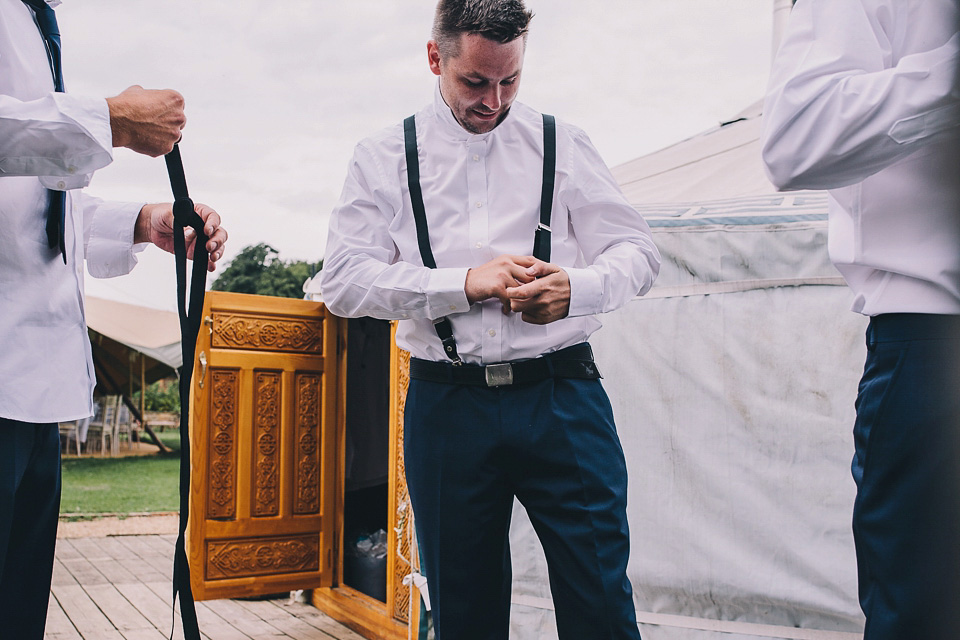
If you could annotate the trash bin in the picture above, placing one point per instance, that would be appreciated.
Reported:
(365, 564)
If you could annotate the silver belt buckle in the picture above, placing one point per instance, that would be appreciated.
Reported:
(498, 375)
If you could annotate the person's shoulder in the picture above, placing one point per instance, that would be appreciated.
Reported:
(388, 140)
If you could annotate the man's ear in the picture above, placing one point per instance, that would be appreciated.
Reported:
(433, 57)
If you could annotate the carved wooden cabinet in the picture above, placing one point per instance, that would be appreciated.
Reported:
(276, 397)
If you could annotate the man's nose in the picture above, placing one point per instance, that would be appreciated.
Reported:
(492, 97)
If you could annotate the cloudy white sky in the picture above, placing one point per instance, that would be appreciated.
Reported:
(279, 91)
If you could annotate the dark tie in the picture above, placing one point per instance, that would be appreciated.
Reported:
(56, 211)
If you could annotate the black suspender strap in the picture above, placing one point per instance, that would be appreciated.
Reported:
(541, 240)
(442, 325)
(190, 316)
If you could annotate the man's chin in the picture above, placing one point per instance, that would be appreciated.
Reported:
(475, 124)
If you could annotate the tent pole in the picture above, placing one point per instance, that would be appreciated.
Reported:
(103, 375)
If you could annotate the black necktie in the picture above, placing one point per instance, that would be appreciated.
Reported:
(56, 211)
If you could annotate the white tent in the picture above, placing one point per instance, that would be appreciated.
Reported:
(733, 383)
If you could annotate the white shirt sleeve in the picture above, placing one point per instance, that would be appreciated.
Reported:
(108, 235)
(840, 106)
(61, 138)
(361, 274)
(622, 260)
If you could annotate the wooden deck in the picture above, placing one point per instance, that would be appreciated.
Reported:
(119, 588)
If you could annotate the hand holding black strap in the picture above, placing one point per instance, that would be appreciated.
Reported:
(184, 215)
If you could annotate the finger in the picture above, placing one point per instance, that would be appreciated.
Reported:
(540, 269)
(217, 240)
(526, 291)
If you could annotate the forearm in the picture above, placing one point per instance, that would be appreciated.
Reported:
(359, 287)
(832, 120)
(60, 136)
(615, 277)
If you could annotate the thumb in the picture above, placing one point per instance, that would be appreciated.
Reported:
(540, 269)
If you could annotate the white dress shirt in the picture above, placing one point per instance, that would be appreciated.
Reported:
(482, 199)
(863, 101)
(56, 141)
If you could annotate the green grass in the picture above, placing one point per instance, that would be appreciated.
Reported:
(136, 484)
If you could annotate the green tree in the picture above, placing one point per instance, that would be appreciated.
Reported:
(258, 269)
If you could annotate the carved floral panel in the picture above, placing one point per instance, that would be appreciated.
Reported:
(307, 480)
(266, 440)
(245, 557)
(404, 516)
(267, 333)
(222, 462)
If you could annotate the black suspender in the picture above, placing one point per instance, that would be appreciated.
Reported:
(541, 241)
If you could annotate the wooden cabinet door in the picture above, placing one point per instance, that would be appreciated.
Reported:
(263, 440)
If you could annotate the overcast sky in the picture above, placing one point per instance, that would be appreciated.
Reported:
(279, 91)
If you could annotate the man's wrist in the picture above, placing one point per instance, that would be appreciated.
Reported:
(141, 228)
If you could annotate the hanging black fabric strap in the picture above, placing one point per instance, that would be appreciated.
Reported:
(541, 239)
(190, 319)
(442, 326)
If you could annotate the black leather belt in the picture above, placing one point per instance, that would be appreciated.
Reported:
(572, 362)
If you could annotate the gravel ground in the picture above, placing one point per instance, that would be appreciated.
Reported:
(153, 524)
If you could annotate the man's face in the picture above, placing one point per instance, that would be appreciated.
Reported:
(479, 84)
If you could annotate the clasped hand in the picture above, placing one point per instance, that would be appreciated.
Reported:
(539, 291)
(155, 224)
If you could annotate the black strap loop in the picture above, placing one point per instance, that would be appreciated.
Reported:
(184, 215)
(541, 240)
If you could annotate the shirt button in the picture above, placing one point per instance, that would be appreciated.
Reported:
(479, 204)
(476, 158)
(492, 333)
(71, 170)
(61, 185)
(453, 307)
(479, 245)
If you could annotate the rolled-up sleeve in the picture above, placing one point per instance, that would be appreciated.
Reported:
(839, 107)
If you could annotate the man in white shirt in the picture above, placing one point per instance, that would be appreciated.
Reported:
(864, 101)
(50, 144)
(477, 432)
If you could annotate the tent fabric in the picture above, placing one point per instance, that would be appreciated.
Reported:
(153, 332)
(122, 334)
(732, 382)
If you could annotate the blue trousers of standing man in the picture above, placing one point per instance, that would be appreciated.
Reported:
(906, 518)
(29, 510)
(469, 450)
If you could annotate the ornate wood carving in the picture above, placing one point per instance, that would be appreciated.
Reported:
(307, 481)
(222, 469)
(404, 515)
(267, 333)
(244, 557)
(266, 439)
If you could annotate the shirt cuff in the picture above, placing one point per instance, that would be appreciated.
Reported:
(110, 250)
(445, 294)
(586, 291)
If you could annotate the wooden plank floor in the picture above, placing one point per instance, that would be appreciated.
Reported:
(119, 588)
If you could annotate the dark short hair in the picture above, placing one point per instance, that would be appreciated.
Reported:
(498, 20)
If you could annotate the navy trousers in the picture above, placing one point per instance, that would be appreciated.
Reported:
(553, 445)
(906, 519)
(29, 509)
